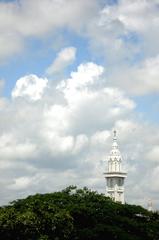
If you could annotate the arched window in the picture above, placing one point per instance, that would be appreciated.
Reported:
(120, 181)
(115, 166)
(111, 182)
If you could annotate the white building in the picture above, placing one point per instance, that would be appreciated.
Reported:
(114, 175)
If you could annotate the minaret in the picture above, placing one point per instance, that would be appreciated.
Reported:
(114, 175)
(149, 205)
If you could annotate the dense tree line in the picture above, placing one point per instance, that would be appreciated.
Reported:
(76, 214)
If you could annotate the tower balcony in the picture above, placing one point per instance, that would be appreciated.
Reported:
(115, 174)
(120, 189)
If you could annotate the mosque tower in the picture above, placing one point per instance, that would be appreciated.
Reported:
(115, 176)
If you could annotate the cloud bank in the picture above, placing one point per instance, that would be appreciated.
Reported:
(49, 143)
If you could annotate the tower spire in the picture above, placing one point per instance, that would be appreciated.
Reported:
(115, 176)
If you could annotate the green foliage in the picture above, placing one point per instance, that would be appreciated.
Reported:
(76, 214)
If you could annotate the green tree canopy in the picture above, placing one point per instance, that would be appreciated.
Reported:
(76, 214)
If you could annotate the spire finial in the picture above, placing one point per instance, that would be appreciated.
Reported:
(114, 134)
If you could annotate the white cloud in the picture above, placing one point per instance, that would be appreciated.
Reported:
(75, 89)
(10, 44)
(85, 103)
(145, 77)
(153, 154)
(21, 183)
(130, 14)
(86, 74)
(121, 31)
(47, 144)
(139, 79)
(100, 137)
(64, 58)
(30, 86)
(81, 143)
(11, 148)
(35, 18)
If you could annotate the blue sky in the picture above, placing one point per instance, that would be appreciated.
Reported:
(70, 72)
(39, 54)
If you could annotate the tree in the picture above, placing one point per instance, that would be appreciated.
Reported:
(78, 214)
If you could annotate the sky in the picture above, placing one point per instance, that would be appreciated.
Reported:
(70, 73)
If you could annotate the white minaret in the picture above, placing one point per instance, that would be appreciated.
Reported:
(114, 175)
(149, 205)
